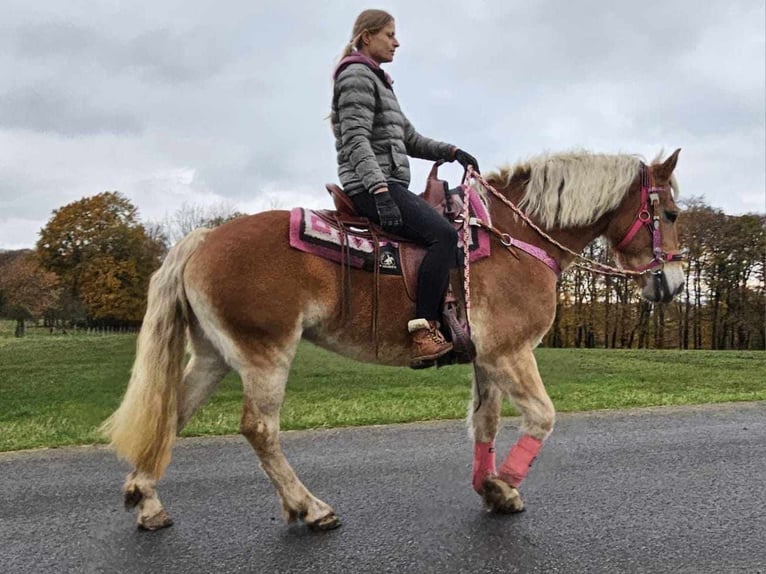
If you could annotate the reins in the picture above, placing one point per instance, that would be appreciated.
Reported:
(465, 215)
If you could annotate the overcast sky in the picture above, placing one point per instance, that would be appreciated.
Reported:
(204, 103)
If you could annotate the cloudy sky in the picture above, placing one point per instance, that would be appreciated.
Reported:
(209, 103)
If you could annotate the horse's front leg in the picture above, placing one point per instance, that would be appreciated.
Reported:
(518, 377)
(484, 419)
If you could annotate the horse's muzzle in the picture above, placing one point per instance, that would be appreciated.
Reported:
(662, 285)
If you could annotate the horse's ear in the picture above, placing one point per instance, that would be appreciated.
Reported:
(665, 169)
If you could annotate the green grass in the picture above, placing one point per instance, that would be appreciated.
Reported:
(56, 390)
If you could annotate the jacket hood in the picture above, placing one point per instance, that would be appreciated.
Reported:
(358, 58)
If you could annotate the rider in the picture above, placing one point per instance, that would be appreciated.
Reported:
(373, 139)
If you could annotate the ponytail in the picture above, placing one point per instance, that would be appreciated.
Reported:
(353, 45)
(347, 51)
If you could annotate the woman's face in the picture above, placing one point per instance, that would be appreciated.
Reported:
(382, 45)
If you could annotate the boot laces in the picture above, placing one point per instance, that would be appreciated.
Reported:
(435, 335)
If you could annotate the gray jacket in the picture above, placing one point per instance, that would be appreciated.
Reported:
(372, 136)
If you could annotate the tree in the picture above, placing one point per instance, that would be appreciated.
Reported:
(189, 217)
(743, 244)
(27, 290)
(102, 254)
(112, 288)
(698, 236)
(722, 306)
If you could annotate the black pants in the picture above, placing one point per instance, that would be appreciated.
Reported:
(423, 225)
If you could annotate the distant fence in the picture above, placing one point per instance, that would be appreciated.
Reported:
(95, 331)
(7, 329)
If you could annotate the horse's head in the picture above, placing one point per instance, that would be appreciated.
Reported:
(644, 232)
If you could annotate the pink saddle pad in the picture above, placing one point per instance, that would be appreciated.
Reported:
(311, 233)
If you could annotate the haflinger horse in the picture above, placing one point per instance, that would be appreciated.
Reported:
(243, 299)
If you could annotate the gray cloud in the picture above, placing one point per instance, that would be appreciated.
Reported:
(45, 110)
(184, 58)
(50, 39)
(160, 53)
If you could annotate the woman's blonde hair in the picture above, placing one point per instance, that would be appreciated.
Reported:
(372, 21)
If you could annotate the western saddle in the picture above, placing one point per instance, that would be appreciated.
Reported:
(448, 202)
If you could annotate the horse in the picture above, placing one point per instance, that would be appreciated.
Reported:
(243, 299)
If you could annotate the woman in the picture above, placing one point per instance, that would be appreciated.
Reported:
(373, 139)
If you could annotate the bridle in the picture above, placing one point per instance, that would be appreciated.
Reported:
(650, 199)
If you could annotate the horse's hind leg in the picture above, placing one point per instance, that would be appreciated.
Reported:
(264, 386)
(517, 375)
(204, 371)
(141, 494)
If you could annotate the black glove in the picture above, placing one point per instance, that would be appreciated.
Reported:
(465, 159)
(388, 213)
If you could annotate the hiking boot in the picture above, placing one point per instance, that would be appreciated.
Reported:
(428, 344)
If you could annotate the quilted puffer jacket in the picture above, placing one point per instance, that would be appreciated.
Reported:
(372, 136)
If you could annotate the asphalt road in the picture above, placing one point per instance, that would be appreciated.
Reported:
(652, 490)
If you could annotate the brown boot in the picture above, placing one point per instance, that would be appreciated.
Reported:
(428, 343)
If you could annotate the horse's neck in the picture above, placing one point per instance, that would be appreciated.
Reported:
(576, 238)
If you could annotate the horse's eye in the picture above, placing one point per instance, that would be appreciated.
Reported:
(671, 216)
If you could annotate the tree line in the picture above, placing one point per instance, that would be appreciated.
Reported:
(92, 264)
(722, 305)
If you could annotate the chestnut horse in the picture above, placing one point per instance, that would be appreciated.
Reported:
(243, 299)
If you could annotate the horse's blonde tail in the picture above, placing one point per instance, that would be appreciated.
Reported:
(143, 429)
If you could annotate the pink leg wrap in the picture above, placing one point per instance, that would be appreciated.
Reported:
(483, 463)
(516, 465)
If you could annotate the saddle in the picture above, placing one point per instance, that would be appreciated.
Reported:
(446, 201)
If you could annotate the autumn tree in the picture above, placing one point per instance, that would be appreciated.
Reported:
(102, 255)
(27, 289)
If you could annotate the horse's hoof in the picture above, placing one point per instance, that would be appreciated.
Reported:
(155, 522)
(327, 522)
(500, 496)
(133, 496)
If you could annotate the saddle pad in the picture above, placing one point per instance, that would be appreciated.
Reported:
(311, 233)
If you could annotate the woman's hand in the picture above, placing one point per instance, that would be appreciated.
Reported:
(465, 159)
(388, 213)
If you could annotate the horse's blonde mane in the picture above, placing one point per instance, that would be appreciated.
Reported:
(574, 188)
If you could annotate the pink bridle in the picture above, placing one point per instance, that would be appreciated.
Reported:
(650, 197)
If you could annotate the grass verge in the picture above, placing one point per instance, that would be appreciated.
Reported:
(55, 391)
